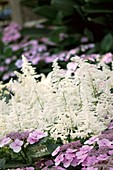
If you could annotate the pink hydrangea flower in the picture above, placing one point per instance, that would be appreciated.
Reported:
(104, 142)
(5, 141)
(29, 168)
(16, 145)
(90, 160)
(102, 157)
(56, 151)
(110, 152)
(35, 136)
(107, 58)
(59, 159)
(67, 162)
(92, 140)
(89, 168)
(83, 153)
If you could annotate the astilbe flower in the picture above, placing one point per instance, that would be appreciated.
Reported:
(64, 104)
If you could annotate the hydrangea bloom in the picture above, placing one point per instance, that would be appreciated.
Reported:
(5, 141)
(16, 145)
(66, 154)
(35, 136)
(95, 154)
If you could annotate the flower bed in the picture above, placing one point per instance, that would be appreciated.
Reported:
(62, 121)
(40, 51)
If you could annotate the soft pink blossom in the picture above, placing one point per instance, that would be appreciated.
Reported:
(107, 58)
(35, 136)
(5, 141)
(59, 159)
(16, 145)
(56, 151)
(92, 140)
(102, 157)
(104, 142)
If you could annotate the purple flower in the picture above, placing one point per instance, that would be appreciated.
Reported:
(107, 58)
(49, 59)
(8, 60)
(92, 140)
(49, 163)
(35, 136)
(15, 47)
(90, 160)
(84, 39)
(56, 151)
(6, 76)
(29, 168)
(83, 153)
(59, 159)
(4, 141)
(11, 33)
(20, 135)
(42, 48)
(16, 145)
(19, 63)
(104, 142)
(3, 68)
(36, 60)
(59, 168)
(89, 168)
(102, 157)
(67, 162)
(110, 152)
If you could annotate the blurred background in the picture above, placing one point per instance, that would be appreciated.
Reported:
(43, 30)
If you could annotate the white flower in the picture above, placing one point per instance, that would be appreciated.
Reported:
(64, 104)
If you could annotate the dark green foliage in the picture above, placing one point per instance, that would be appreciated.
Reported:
(76, 16)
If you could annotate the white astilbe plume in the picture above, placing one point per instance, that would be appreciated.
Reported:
(77, 105)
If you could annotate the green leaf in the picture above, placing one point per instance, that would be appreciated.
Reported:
(99, 1)
(54, 36)
(88, 8)
(15, 165)
(35, 32)
(67, 6)
(46, 11)
(8, 52)
(107, 43)
(2, 163)
(99, 20)
(51, 147)
(59, 18)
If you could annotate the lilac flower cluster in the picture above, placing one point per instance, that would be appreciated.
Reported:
(95, 154)
(11, 33)
(35, 50)
(66, 155)
(47, 165)
(106, 58)
(38, 51)
(17, 140)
